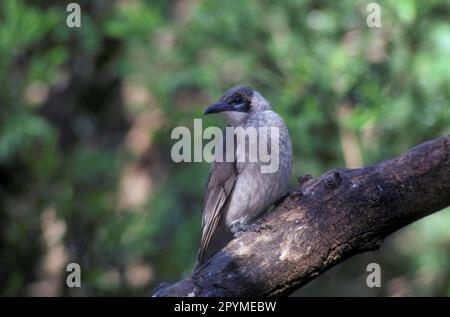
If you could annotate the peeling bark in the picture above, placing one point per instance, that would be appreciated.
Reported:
(325, 221)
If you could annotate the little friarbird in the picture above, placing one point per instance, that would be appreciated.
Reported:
(237, 192)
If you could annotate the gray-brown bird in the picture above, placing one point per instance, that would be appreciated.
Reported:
(238, 192)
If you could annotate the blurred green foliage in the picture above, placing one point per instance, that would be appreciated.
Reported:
(81, 110)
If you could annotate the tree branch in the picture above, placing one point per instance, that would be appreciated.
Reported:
(324, 222)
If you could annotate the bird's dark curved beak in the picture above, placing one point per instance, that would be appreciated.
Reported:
(217, 107)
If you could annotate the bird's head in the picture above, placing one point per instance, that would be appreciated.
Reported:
(238, 103)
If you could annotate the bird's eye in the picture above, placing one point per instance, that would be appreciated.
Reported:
(237, 100)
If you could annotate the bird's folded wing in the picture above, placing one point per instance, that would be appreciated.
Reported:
(219, 189)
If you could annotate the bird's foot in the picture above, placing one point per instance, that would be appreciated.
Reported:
(238, 229)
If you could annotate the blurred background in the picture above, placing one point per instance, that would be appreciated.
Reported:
(86, 115)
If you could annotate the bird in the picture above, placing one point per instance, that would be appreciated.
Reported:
(237, 193)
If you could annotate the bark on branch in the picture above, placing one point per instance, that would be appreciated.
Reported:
(325, 221)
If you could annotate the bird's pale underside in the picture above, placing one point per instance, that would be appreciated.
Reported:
(237, 192)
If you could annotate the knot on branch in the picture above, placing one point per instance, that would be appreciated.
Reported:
(375, 196)
(304, 179)
(332, 180)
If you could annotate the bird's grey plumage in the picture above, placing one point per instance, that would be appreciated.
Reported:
(219, 189)
(237, 192)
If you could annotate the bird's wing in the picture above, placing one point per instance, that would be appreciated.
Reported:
(219, 189)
